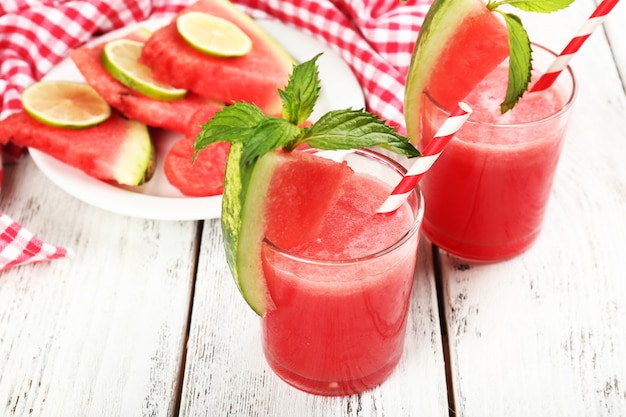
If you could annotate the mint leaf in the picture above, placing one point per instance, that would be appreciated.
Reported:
(351, 129)
(520, 62)
(301, 93)
(270, 133)
(243, 123)
(539, 6)
(234, 124)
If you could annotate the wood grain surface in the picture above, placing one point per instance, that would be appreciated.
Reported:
(145, 319)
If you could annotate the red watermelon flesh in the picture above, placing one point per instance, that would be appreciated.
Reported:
(254, 77)
(479, 45)
(460, 42)
(117, 150)
(171, 115)
(302, 190)
(205, 177)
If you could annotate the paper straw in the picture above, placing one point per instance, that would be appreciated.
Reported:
(552, 73)
(423, 163)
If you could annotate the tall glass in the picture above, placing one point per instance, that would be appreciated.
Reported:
(339, 324)
(486, 195)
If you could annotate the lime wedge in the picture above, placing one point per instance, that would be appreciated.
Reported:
(65, 104)
(121, 59)
(213, 35)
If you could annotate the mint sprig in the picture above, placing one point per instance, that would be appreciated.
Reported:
(520, 61)
(335, 130)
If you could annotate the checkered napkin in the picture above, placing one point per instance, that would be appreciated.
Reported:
(375, 37)
(19, 246)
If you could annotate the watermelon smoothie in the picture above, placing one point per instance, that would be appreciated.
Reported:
(342, 298)
(487, 194)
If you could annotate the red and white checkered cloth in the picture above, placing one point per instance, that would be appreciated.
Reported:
(19, 246)
(375, 37)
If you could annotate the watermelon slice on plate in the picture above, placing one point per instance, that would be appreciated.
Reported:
(254, 77)
(172, 115)
(118, 150)
(205, 177)
(460, 42)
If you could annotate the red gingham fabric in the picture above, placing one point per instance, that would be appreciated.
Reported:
(19, 246)
(375, 37)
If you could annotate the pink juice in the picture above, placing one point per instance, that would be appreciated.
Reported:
(339, 323)
(487, 193)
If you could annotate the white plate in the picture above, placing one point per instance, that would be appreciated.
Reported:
(158, 199)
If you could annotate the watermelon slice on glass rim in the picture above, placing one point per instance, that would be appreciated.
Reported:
(460, 42)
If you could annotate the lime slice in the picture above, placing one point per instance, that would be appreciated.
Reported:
(213, 35)
(65, 104)
(121, 59)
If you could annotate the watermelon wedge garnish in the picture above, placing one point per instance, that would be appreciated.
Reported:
(303, 188)
(286, 200)
(460, 42)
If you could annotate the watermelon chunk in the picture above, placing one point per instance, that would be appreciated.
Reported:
(265, 207)
(205, 177)
(117, 150)
(460, 42)
(300, 180)
(172, 115)
(254, 77)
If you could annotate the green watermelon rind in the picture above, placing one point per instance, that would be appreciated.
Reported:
(440, 24)
(243, 225)
(252, 25)
(136, 162)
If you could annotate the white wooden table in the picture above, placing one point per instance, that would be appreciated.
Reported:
(146, 321)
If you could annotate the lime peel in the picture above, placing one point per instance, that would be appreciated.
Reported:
(120, 58)
(65, 104)
(213, 35)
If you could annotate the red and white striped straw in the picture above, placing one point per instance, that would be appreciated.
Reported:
(552, 73)
(423, 163)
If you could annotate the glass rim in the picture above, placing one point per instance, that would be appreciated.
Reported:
(568, 104)
(412, 230)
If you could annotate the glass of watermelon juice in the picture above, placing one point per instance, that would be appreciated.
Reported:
(486, 195)
(342, 300)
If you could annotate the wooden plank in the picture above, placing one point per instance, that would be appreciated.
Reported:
(543, 334)
(614, 26)
(226, 373)
(101, 333)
